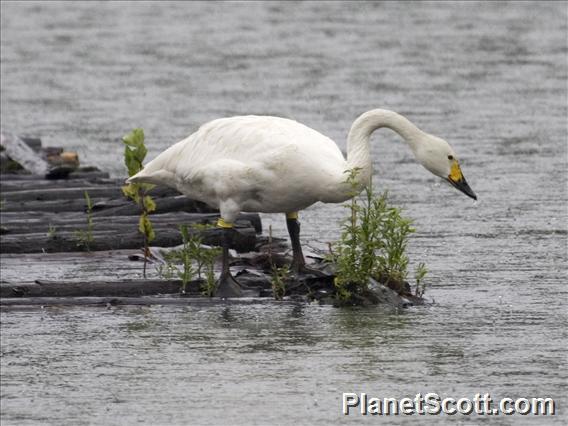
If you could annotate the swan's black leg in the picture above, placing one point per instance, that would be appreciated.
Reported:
(298, 262)
(227, 286)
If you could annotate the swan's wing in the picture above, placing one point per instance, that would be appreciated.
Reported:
(251, 140)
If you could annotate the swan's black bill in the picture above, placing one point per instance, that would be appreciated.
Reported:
(463, 186)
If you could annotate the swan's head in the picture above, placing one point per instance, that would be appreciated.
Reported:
(437, 156)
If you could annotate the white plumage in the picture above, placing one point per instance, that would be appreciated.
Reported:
(271, 164)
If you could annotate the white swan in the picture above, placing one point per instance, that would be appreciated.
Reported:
(271, 164)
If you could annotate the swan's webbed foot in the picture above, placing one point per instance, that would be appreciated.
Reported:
(228, 286)
(299, 269)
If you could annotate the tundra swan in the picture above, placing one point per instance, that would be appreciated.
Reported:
(276, 165)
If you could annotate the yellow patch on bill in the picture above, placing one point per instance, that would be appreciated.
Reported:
(293, 215)
(455, 172)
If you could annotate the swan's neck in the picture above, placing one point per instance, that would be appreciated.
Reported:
(358, 151)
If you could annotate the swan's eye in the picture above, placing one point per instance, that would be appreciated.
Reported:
(450, 157)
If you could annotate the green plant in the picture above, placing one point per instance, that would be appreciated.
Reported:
(187, 272)
(280, 277)
(372, 244)
(209, 285)
(51, 231)
(193, 259)
(85, 237)
(419, 275)
(166, 270)
(134, 153)
(392, 263)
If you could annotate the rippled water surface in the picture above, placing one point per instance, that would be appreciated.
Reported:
(488, 77)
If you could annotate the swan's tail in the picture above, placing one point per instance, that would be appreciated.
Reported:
(137, 178)
(159, 171)
(156, 177)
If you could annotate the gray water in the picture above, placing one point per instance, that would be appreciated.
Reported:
(491, 78)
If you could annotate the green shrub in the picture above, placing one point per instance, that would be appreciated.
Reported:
(279, 281)
(372, 245)
(134, 153)
(192, 260)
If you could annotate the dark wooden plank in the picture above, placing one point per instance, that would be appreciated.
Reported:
(55, 206)
(163, 205)
(75, 174)
(22, 185)
(7, 303)
(132, 288)
(52, 194)
(16, 223)
(129, 238)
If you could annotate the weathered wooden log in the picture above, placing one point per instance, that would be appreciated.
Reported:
(18, 224)
(52, 194)
(163, 205)
(57, 206)
(123, 288)
(69, 188)
(98, 191)
(80, 174)
(133, 288)
(113, 223)
(244, 240)
(148, 300)
(22, 185)
(104, 207)
(76, 174)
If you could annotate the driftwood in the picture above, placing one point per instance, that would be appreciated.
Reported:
(123, 288)
(15, 223)
(132, 288)
(54, 206)
(37, 222)
(128, 238)
(24, 184)
(178, 203)
(50, 216)
(70, 192)
(47, 194)
(150, 292)
(75, 174)
(65, 190)
(102, 207)
(8, 303)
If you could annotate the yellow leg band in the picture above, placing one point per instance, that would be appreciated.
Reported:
(222, 224)
(293, 215)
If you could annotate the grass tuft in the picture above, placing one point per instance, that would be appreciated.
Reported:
(84, 237)
(192, 260)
